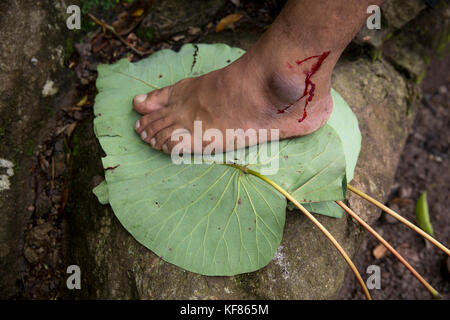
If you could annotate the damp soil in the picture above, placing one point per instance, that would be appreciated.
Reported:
(424, 166)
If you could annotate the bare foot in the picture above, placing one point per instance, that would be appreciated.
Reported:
(246, 94)
(283, 82)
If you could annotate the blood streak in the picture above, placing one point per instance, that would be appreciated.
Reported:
(310, 86)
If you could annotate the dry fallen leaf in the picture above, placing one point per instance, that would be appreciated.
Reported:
(178, 38)
(194, 30)
(83, 101)
(380, 251)
(228, 21)
(64, 199)
(138, 12)
(70, 128)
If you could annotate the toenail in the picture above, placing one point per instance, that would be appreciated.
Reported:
(140, 98)
(165, 148)
(153, 142)
(144, 135)
(137, 125)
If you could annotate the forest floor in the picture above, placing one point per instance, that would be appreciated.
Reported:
(424, 166)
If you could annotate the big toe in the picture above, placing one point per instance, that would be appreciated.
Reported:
(146, 103)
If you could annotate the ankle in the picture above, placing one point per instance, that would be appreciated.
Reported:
(301, 79)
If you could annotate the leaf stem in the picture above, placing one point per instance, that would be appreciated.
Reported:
(399, 218)
(314, 220)
(433, 292)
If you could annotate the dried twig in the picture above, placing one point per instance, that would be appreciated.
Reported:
(433, 291)
(106, 26)
(399, 218)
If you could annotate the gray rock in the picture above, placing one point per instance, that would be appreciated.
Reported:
(306, 265)
(411, 49)
(400, 12)
(31, 54)
(409, 35)
(395, 14)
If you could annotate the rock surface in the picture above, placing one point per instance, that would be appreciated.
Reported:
(395, 14)
(306, 265)
(31, 53)
(427, 35)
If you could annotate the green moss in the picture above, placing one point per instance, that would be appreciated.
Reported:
(89, 5)
(388, 36)
(420, 77)
(442, 44)
(102, 9)
(2, 132)
(66, 146)
(376, 54)
(50, 111)
(248, 282)
(68, 50)
(146, 34)
(28, 147)
(75, 144)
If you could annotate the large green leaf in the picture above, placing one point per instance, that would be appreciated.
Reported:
(344, 121)
(211, 219)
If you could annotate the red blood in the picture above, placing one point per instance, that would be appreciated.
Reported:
(309, 85)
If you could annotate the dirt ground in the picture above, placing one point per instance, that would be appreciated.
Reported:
(424, 165)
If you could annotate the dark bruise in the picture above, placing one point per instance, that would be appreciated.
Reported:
(310, 86)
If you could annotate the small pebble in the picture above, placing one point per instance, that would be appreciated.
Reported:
(405, 192)
(380, 251)
(443, 89)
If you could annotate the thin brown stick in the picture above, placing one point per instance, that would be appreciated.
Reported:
(106, 26)
(399, 218)
(315, 221)
(433, 292)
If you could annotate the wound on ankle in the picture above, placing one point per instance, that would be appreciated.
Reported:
(309, 86)
(286, 88)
